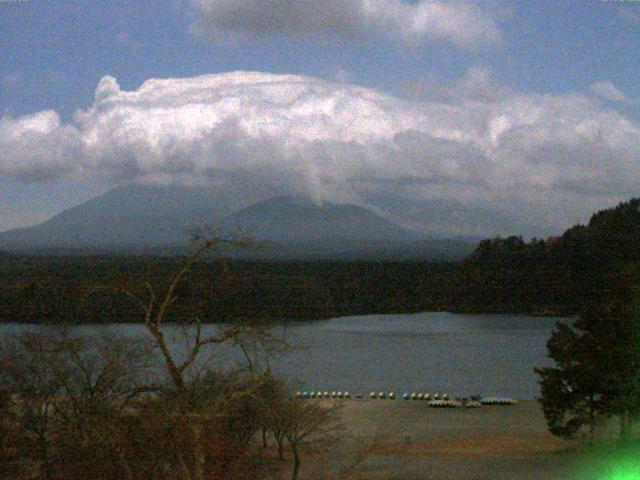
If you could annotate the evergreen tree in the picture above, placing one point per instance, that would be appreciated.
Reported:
(571, 397)
(597, 371)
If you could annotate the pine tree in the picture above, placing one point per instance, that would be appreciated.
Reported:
(597, 371)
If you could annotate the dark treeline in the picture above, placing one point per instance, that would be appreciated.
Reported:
(560, 275)
(504, 275)
(91, 289)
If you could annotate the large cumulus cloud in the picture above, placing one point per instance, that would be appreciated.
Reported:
(461, 23)
(38, 147)
(534, 159)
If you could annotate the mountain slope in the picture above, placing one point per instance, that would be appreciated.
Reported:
(294, 227)
(297, 220)
(143, 219)
(139, 217)
(131, 216)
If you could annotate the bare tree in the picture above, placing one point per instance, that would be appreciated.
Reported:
(102, 375)
(103, 370)
(308, 426)
(68, 393)
(259, 346)
(8, 452)
(156, 302)
(272, 405)
(196, 415)
(30, 374)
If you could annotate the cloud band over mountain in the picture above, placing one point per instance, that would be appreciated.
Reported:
(461, 23)
(541, 159)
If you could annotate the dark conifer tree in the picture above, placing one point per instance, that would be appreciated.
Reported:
(597, 366)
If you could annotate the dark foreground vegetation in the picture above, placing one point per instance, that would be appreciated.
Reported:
(103, 406)
(596, 376)
(557, 276)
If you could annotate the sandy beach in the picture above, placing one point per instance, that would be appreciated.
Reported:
(409, 440)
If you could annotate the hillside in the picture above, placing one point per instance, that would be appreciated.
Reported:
(587, 263)
(294, 227)
(158, 219)
(503, 275)
(297, 220)
(131, 217)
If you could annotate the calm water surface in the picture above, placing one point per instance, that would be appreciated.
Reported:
(428, 352)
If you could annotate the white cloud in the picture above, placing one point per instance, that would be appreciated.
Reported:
(538, 159)
(38, 147)
(607, 91)
(107, 87)
(462, 23)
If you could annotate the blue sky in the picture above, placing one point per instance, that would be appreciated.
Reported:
(54, 53)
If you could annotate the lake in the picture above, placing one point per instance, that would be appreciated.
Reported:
(426, 352)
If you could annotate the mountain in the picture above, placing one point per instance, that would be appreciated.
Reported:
(158, 219)
(298, 220)
(295, 227)
(130, 217)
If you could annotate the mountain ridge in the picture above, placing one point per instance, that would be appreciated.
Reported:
(150, 219)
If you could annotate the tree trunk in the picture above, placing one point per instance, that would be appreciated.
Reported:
(43, 444)
(44, 458)
(174, 371)
(296, 462)
(280, 442)
(198, 454)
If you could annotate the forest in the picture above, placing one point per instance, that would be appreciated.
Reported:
(555, 276)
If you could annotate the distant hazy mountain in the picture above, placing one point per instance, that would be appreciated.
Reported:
(295, 227)
(298, 220)
(131, 216)
(145, 218)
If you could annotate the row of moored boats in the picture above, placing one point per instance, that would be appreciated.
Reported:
(436, 400)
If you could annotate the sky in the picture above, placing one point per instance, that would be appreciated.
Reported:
(457, 117)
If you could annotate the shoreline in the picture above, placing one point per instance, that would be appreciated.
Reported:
(291, 321)
(408, 439)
